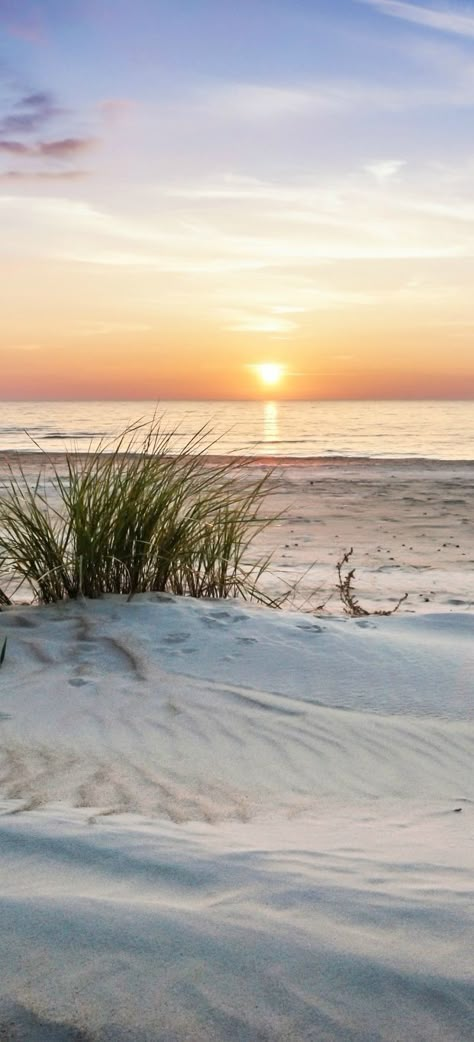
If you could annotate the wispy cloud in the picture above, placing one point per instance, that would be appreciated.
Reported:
(63, 148)
(445, 19)
(24, 21)
(231, 104)
(244, 322)
(254, 102)
(289, 245)
(15, 148)
(239, 224)
(113, 110)
(282, 320)
(26, 116)
(384, 169)
(29, 113)
(42, 175)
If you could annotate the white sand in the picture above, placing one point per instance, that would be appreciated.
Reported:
(411, 524)
(223, 824)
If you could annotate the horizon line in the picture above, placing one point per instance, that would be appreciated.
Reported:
(240, 401)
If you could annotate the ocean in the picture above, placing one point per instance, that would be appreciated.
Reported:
(374, 430)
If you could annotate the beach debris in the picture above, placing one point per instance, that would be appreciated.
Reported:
(3, 650)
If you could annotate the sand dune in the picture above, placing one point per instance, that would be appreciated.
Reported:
(324, 932)
(224, 823)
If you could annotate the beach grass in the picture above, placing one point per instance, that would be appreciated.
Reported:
(135, 517)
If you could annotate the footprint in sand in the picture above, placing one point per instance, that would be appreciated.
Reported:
(92, 657)
(221, 617)
(176, 638)
(14, 620)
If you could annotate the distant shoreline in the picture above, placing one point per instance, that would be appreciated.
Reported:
(11, 456)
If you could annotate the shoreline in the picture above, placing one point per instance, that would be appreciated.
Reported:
(259, 459)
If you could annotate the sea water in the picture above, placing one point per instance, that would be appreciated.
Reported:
(441, 430)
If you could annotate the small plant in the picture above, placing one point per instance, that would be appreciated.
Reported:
(346, 591)
(2, 651)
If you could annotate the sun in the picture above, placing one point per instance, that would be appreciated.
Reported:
(270, 373)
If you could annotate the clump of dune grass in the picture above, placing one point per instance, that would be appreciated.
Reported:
(133, 518)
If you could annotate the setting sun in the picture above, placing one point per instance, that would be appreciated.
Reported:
(270, 373)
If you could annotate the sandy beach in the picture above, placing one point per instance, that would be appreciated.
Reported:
(410, 522)
(223, 823)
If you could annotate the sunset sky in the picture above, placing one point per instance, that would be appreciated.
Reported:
(192, 188)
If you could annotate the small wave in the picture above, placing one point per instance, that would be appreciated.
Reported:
(32, 431)
(64, 435)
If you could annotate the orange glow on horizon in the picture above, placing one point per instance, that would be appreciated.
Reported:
(114, 338)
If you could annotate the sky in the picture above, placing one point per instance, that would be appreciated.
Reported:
(191, 189)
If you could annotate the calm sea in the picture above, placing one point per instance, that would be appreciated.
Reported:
(432, 430)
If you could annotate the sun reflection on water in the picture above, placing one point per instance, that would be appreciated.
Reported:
(271, 427)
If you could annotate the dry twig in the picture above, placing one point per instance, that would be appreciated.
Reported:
(346, 591)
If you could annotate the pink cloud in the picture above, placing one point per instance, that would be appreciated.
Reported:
(43, 175)
(115, 109)
(65, 146)
(27, 25)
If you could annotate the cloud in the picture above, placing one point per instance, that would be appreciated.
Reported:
(384, 169)
(41, 98)
(61, 149)
(249, 101)
(42, 175)
(293, 234)
(253, 105)
(65, 147)
(24, 24)
(16, 148)
(237, 322)
(284, 272)
(113, 110)
(29, 114)
(447, 20)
